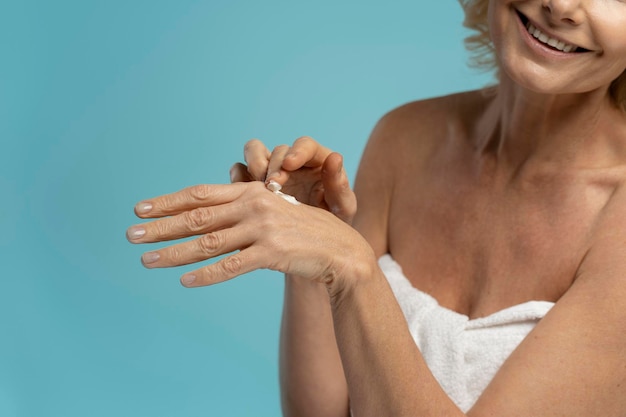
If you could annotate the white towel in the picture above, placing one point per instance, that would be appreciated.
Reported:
(462, 354)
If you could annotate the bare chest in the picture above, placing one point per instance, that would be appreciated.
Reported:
(478, 248)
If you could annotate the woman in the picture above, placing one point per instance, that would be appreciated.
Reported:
(505, 209)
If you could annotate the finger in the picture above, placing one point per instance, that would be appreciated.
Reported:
(239, 173)
(316, 196)
(203, 195)
(305, 152)
(276, 163)
(204, 247)
(227, 268)
(189, 223)
(338, 195)
(257, 157)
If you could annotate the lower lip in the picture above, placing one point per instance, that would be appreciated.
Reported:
(540, 48)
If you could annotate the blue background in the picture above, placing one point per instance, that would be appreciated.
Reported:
(104, 103)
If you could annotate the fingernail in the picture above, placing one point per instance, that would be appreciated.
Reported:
(273, 186)
(150, 257)
(232, 175)
(290, 154)
(143, 208)
(188, 279)
(136, 232)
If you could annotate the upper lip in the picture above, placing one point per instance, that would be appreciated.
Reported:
(526, 19)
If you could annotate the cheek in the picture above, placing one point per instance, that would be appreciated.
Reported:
(615, 49)
(609, 27)
(621, 50)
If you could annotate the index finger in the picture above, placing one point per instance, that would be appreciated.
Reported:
(189, 198)
(257, 158)
(305, 152)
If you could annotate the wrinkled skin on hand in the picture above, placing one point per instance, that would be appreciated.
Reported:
(312, 173)
(264, 231)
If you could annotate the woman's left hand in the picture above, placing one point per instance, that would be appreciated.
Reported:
(268, 232)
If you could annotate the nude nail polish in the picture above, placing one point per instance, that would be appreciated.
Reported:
(188, 279)
(135, 233)
(143, 208)
(150, 257)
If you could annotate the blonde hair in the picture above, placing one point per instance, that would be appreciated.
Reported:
(482, 53)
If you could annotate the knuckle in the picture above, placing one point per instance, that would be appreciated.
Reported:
(255, 151)
(210, 243)
(304, 140)
(232, 265)
(199, 192)
(277, 247)
(261, 204)
(280, 148)
(251, 144)
(255, 189)
(198, 219)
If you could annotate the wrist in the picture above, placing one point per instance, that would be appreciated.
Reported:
(357, 274)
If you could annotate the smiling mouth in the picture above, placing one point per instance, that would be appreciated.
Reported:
(546, 40)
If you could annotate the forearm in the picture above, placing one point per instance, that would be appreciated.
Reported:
(385, 371)
(311, 374)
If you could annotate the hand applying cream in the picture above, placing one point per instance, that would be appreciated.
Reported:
(275, 188)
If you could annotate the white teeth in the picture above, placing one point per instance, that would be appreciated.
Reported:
(543, 38)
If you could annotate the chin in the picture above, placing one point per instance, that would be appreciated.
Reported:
(543, 84)
(533, 77)
(537, 84)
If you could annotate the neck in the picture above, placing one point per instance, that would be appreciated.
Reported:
(527, 130)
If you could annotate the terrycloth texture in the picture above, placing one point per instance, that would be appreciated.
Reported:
(463, 354)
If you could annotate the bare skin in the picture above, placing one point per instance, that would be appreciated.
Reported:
(486, 201)
(311, 372)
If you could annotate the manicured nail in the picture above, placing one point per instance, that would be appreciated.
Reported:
(273, 186)
(188, 279)
(136, 232)
(143, 208)
(150, 257)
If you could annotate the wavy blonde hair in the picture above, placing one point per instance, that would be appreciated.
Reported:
(482, 53)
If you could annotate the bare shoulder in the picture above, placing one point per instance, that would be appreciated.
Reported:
(605, 261)
(400, 144)
(425, 121)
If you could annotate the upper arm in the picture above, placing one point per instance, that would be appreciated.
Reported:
(373, 185)
(574, 362)
(399, 144)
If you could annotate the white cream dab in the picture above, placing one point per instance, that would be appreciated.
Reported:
(275, 187)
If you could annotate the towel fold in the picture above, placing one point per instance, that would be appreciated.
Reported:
(462, 354)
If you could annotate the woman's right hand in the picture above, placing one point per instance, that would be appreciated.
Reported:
(310, 172)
